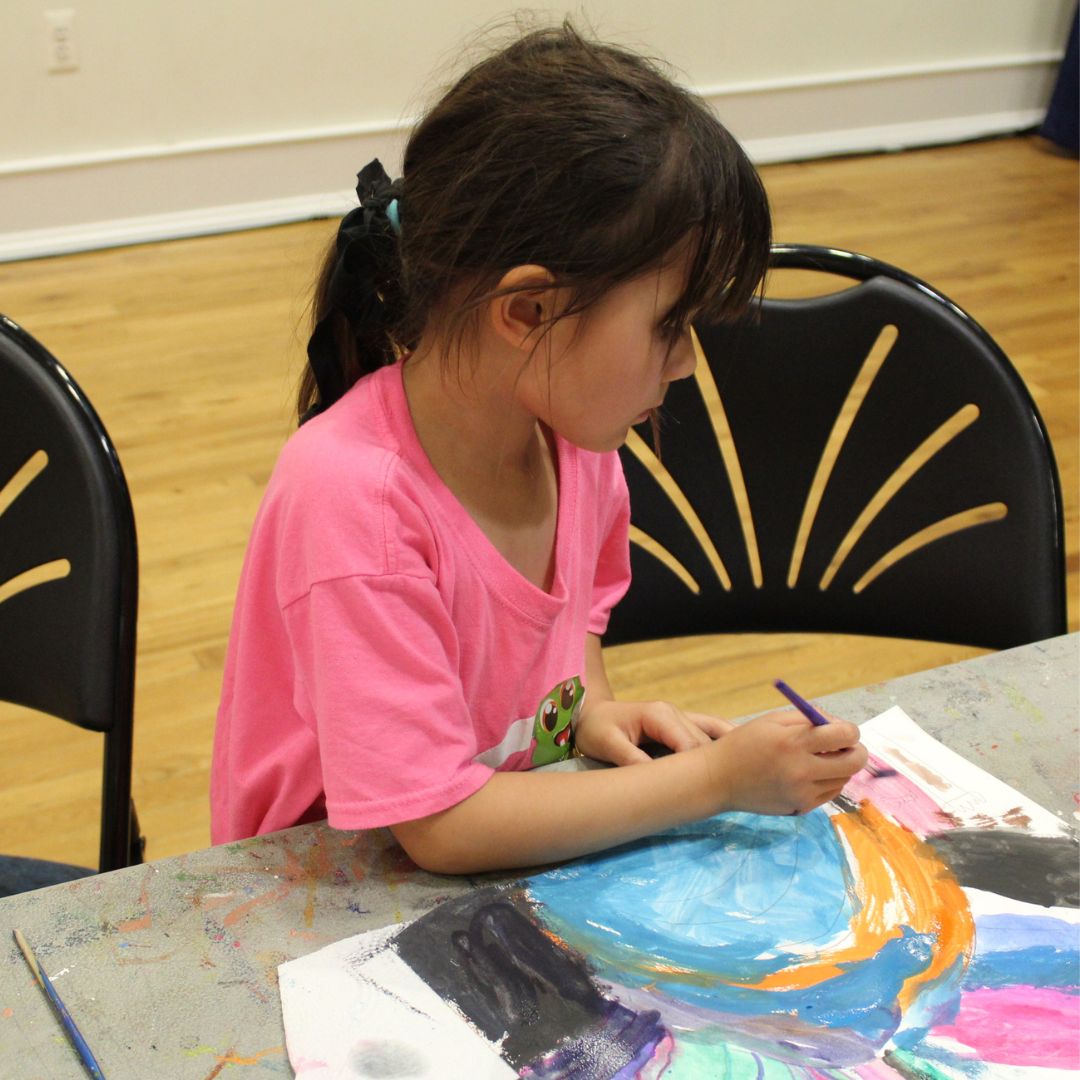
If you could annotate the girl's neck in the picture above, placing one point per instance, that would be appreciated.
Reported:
(471, 426)
(496, 458)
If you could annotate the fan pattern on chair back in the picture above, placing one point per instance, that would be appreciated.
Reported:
(67, 545)
(863, 462)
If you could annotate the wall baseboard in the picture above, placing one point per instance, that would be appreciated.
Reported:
(63, 205)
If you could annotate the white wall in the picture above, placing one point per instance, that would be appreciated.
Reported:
(202, 115)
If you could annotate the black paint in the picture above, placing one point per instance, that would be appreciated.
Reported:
(1035, 869)
(487, 953)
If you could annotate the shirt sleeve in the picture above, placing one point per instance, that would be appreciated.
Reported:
(613, 563)
(377, 670)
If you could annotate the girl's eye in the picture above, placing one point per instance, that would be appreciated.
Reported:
(672, 331)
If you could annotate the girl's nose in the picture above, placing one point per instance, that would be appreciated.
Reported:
(683, 357)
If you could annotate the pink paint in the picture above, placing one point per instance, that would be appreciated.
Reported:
(1019, 1025)
(304, 1065)
(902, 800)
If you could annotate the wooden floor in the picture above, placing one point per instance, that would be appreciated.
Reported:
(190, 351)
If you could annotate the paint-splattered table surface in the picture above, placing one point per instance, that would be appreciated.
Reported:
(171, 968)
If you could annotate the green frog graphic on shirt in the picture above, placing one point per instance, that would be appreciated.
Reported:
(553, 729)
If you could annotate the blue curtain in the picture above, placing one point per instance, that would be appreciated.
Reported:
(1060, 125)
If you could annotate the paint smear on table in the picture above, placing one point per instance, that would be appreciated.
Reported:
(924, 926)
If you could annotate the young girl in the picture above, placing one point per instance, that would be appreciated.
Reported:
(420, 613)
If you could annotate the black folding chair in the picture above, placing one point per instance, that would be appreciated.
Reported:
(866, 462)
(68, 583)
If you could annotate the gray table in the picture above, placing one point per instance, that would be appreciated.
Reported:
(170, 969)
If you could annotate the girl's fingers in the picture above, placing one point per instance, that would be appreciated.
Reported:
(621, 751)
(713, 726)
(823, 794)
(626, 753)
(666, 724)
(840, 765)
(838, 736)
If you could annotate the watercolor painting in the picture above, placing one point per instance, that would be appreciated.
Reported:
(926, 925)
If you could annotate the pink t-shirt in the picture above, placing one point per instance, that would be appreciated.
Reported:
(384, 656)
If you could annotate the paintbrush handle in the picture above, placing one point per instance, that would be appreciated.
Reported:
(801, 703)
(818, 720)
(74, 1035)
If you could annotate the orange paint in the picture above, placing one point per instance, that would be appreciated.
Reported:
(208, 903)
(292, 875)
(317, 868)
(668, 969)
(142, 961)
(253, 1059)
(309, 873)
(358, 865)
(900, 881)
(144, 922)
(230, 1057)
(937, 904)
(310, 935)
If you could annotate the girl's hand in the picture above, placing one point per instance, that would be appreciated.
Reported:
(782, 764)
(614, 730)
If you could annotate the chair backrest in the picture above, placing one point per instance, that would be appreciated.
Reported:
(866, 461)
(68, 567)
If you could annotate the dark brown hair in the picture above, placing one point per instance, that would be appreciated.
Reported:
(575, 155)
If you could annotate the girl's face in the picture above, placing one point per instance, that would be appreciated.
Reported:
(604, 370)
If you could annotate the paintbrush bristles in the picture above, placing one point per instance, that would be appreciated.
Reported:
(31, 959)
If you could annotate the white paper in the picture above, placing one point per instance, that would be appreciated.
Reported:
(354, 1010)
(968, 793)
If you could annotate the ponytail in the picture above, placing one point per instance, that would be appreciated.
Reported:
(358, 302)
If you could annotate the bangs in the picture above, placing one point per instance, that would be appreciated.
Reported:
(731, 231)
(707, 195)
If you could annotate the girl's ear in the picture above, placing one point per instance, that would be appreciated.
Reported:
(525, 305)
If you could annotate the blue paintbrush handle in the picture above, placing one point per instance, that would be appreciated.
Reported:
(73, 1033)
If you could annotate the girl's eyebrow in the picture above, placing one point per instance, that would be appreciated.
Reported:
(672, 305)
(688, 313)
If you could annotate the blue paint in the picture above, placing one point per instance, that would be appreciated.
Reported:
(714, 897)
(732, 900)
(1005, 933)
(937, 1003)
(1015, 950)
(1026, 967)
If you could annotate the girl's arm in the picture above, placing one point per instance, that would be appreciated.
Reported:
(774, 764)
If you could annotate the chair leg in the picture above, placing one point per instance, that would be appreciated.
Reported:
(136, 840)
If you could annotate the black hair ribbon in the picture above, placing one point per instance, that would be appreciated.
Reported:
(360, 286)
